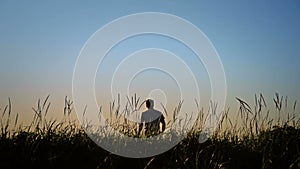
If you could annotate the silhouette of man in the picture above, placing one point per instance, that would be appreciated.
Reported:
(152, 119)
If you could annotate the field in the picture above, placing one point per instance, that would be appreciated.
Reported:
(259, 141)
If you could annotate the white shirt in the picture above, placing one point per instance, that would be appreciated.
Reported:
(151, 115)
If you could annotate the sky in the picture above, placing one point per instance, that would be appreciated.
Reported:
(257, 41)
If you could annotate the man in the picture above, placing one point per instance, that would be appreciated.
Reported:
(152, 119)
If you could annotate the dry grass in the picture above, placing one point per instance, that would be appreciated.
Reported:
(252, 140)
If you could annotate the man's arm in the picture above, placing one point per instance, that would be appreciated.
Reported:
(162, 120)
(141, 124)
(140, 128)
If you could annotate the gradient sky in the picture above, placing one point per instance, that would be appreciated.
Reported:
(258, 43)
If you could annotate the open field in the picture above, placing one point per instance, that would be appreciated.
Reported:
(257, 142)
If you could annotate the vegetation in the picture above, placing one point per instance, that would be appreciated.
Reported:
(258, 142)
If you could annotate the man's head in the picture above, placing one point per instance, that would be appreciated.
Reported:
(149, 104)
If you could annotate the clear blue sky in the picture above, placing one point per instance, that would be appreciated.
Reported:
(257, 41)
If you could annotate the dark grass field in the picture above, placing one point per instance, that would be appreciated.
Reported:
(260, 142)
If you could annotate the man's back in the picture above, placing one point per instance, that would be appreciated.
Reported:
(150, 115)
(152, 119)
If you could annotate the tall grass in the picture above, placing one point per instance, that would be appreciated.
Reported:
(253, 139)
